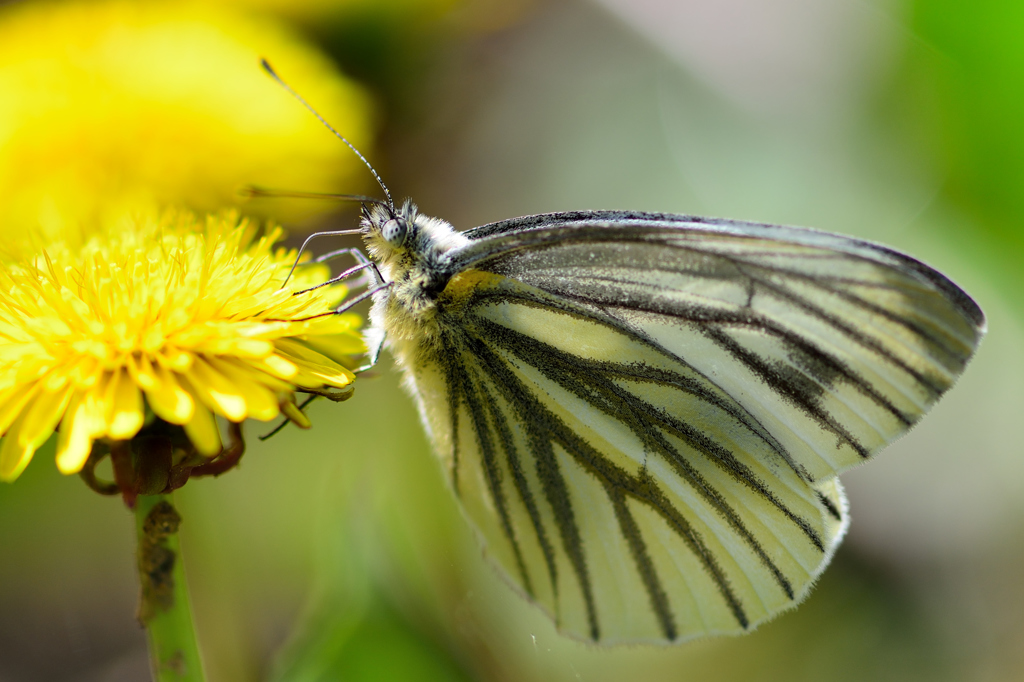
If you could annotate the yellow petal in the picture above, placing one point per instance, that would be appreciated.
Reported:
(126, 415)
(143, 373)
(176, 360)
(241, 347)
(85, 373)
(14, 457)
(272, 383)
(202, 431)
(216, 391)
(55, 381)
(41, 417)
(294, 350)
(334, 324)
(94, 408)
(277, 366)
(261, 403)
(77, 431)
(169, 400)
(314, 369)
(15, 402)
(339, 348)
(317, 375)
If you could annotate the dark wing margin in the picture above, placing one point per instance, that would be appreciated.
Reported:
(572, 220)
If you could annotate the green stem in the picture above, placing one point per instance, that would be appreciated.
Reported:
(164, 608)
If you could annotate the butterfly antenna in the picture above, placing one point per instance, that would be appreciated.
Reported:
(273, 74)
(255, 192)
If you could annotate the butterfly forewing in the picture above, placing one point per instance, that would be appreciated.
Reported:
(643, 415)
(852, 338)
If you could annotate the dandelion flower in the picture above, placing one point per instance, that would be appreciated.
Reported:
(168, 321)
(110, 106)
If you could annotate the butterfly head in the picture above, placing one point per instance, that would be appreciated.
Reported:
(389, 232)
(394, 231)
(402, 240)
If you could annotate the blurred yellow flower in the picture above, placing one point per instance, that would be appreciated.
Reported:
(398, 18)
(112, 105)
(183, 317)
(341, 8)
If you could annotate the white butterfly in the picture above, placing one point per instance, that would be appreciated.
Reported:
(644, 415)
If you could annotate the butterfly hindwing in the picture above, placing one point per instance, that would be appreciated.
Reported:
(644, 419)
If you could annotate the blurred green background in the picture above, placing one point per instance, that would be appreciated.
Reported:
(338, 554)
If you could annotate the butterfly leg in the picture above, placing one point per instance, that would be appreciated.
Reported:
(338, 278)
(302, 249)
(361, 297)
(286, 422)
(359, 257)
(374, 344)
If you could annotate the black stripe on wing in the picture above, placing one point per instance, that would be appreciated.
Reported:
(587, 381)
(515, 465)
(475, 396)
(593, 382)
(555, 487)
(547, 429)
(569, 274)
(648, 573)
(564, 304)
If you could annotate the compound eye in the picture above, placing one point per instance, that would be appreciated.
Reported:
(393, 232)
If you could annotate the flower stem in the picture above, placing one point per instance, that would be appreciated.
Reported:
(164, 608)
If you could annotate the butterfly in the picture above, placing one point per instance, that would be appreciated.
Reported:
(644, 415)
